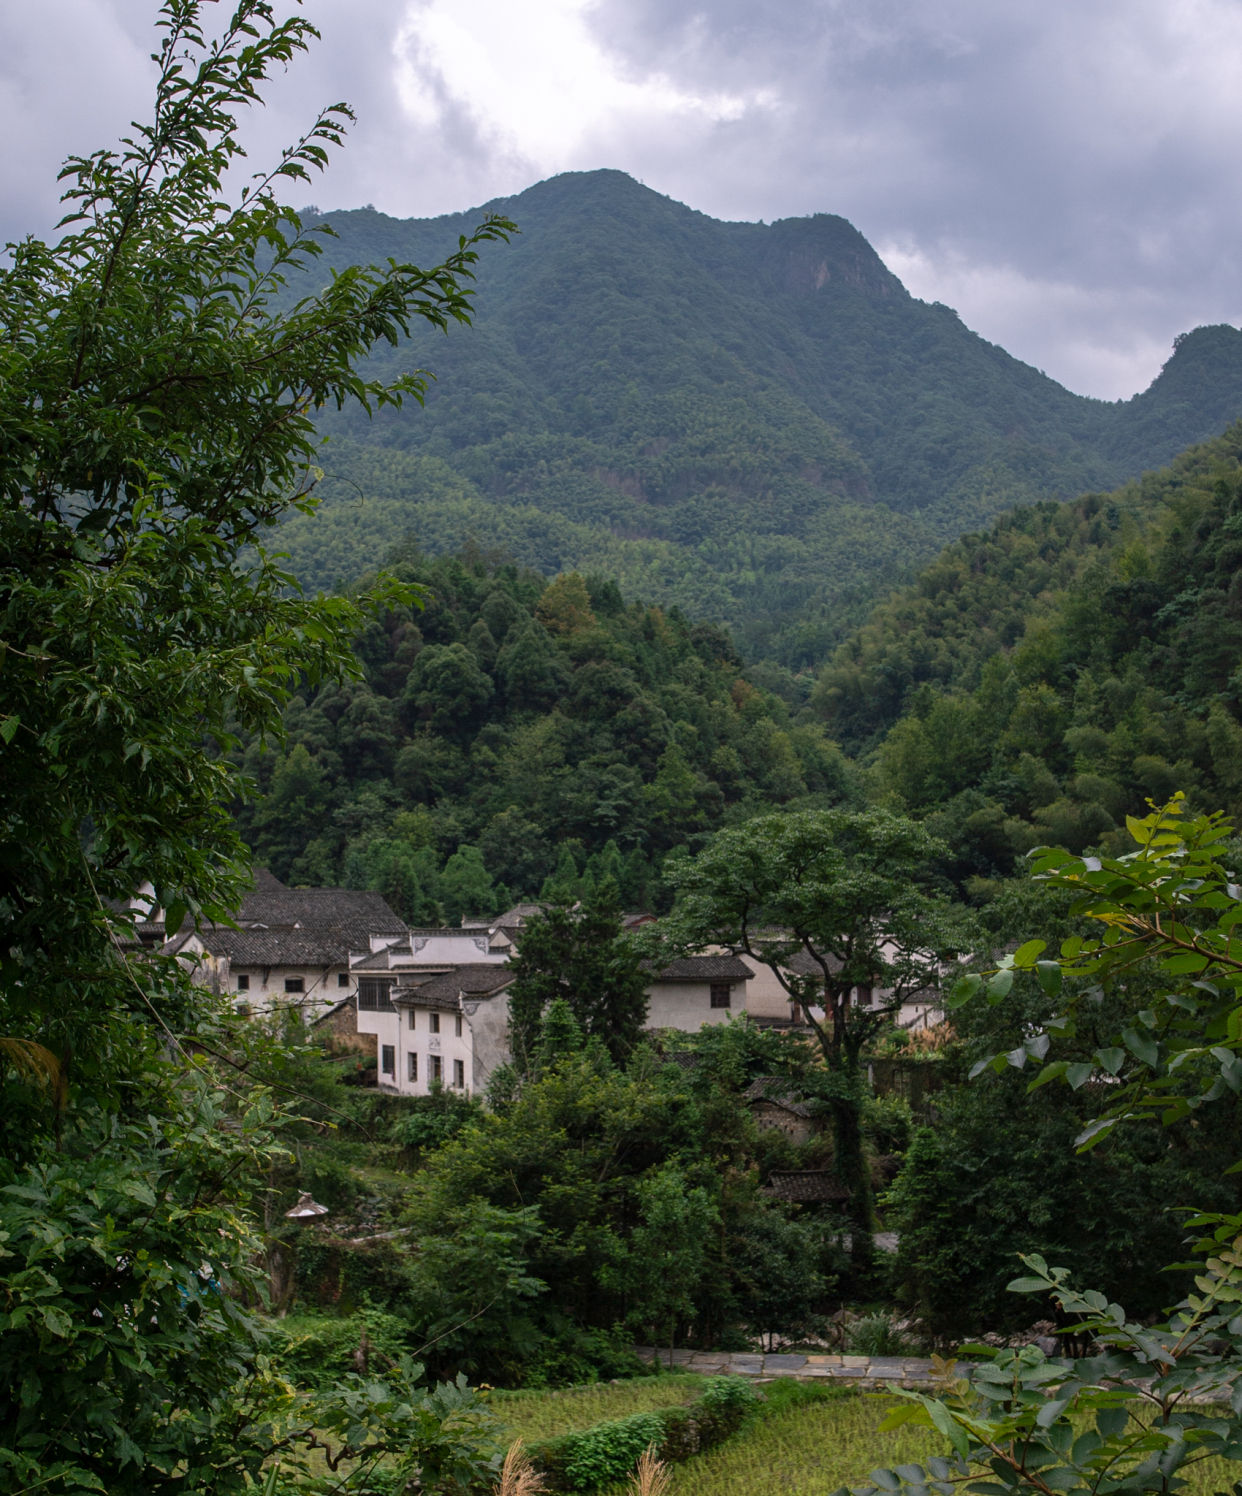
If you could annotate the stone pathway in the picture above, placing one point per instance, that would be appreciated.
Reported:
(872, 1373)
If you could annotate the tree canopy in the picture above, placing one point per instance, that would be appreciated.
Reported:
(836, 904)
(158, 390)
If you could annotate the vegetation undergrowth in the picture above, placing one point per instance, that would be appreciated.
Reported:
(534, 1415)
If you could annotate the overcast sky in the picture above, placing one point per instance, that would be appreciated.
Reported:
(1063, 172)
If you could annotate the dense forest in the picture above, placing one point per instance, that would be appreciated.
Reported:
(1038, 682)
(754, 422)
(459, 731)
(518, 736)
(1042, 681)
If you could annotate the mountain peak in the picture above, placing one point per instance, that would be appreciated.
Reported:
(806, 254)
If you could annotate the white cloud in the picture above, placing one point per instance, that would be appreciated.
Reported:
(1089, 341)
(539, 87)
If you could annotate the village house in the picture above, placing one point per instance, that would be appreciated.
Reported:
(696, 990)
(768, 1004)
(439, 1028)
(437, 1004)
(292, 946)
(775, 1108)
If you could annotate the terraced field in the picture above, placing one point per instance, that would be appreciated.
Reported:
(809, 1440)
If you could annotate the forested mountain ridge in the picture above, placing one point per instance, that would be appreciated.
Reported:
(1039, 682)
(720, 415)
(517, 737)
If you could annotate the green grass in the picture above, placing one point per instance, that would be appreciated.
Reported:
(545, 1415)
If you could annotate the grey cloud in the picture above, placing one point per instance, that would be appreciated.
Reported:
(1077, 148)
(1061, 173)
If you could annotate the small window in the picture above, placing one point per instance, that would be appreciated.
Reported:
(388, 1059)
(411, 1066)
(412, 1016)
(435, 1070)
(243, 982)
(457, 1025)
(342, 979)
(435, 1023)
(459, 1075)
(243, 1010)
(294, 984)
(721, 995)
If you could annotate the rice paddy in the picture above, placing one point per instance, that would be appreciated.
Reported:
(809, 1440)
(545, 1415)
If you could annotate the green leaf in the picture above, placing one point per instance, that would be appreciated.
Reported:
(1050, 977)
(58, 1322)
(999, 986)
(1049, 1073)
(963, 990)
(1025, 955)
(1184, 962)
(947, 1425)
(1110, 1059)
(1141, 1047)
(1078, 1074)
(1093, 1132)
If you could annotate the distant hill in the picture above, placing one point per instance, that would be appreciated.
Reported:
(755, 421)
(1043, 680)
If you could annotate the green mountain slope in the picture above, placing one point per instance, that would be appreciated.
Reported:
(755, 421)
(1039, 682)
(516, 732)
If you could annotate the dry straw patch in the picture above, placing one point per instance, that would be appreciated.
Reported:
(518, 1477)
(652, 1477)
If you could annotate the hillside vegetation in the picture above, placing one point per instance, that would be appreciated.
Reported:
(754, 422)
(517, 735)
(1039, 682)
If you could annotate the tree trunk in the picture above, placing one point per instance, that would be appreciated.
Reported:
(852, 1165)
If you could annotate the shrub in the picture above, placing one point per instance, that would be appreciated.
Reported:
(876, 1335)
(318, 1350)
(598, 1456)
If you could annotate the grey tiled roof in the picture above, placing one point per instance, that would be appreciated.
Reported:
(518, 915)
(442, 988)
(328, 1013)
(706, 969)
(378, 960)
(276, 947)
(805, 1184)
(806, 966)
(777, 1090)
(355, 913)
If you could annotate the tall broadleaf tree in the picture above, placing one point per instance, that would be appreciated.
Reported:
(841, 906)
(159, 383)
(575, 951)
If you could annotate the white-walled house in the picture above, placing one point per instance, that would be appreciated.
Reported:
(295, 946)
(438, 1007)
(699, 989)
(438, 1027)
(768, 1002)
